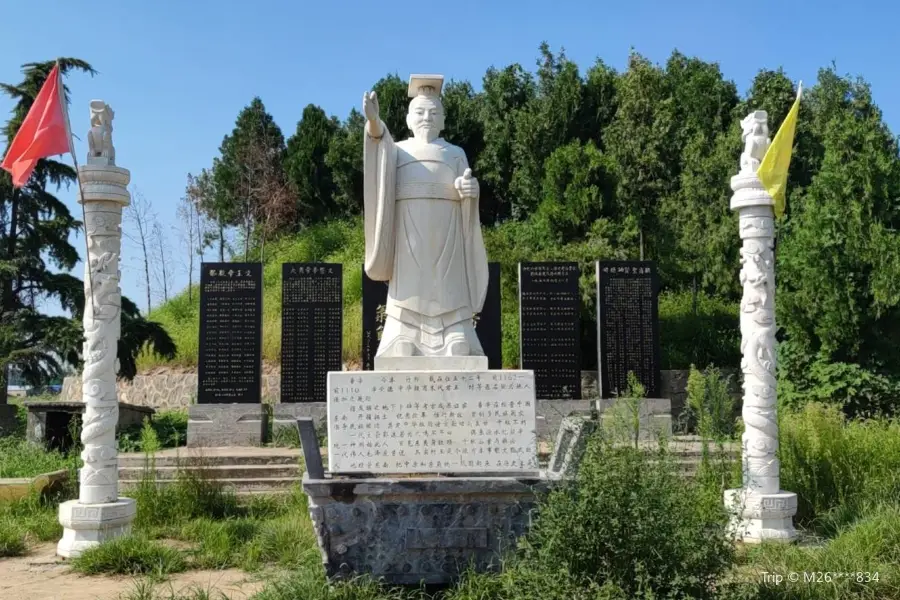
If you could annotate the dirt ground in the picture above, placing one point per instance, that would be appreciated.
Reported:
(42, 576)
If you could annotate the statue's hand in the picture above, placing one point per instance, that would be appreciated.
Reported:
(467, 186)
(372, 112)
(370, 107)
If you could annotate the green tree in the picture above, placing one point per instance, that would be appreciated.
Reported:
(463, 126)
(306, 165)
(599, 102)
(506, 91)
(345, 159)
(250, 185)
(641, 141)
(34, 237)
(839, 252)
(695, 222)
(548, 121)
(578, 189)
(35, 227)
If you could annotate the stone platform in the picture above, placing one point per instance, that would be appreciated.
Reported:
(211, 425)
(419, 529)
(49, 420)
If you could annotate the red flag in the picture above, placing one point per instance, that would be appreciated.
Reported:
(43, 133)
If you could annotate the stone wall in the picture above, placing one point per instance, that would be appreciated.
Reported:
(167, 391)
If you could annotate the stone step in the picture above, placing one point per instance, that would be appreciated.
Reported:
(242, 485)
(137, 461)
(217, 472)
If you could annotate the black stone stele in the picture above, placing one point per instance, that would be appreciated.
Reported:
(628, 326)
(550, 327)
(230, 357)
(488, 325)
(311, 329)
(374, 299)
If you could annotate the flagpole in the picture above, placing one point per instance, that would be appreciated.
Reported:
(87, 249)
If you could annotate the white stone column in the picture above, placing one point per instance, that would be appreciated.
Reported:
(761, 510)
(99, 513)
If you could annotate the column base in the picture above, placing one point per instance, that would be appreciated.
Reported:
(87, 525)
(758, 517)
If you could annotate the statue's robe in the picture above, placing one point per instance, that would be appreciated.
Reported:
(425, 241)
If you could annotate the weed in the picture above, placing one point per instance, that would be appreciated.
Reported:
(130, 555)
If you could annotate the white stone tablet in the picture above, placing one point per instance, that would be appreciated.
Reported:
(432, 422)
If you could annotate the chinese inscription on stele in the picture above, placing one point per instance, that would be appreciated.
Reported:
(230, 365)
(431, 422)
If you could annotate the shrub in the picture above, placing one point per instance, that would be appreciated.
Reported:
(860, 392)
(708, 336)
(630, 519)
(837, 467)
(129, 555)
(170, 427)
(710, 404)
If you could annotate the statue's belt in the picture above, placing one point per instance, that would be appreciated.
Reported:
(417, 191)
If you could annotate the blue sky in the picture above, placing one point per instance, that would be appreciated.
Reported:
(177, 72)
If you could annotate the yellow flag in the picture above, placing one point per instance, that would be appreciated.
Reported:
(773, 170)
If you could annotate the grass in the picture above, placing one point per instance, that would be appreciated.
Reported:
(148, 589)
(19, 458)
(627, 528)
(837, 467)
(170, 427)
(30, 520)
(869, 548)
(130, 555)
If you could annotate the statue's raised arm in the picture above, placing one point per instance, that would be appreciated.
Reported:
(374, 126)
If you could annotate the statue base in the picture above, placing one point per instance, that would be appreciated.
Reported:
(88, 525)
(431, 363)
(758, 517)
(421, 530)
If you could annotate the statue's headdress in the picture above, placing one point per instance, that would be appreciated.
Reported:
(425, 85)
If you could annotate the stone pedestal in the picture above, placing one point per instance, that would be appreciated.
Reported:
(212, 425)
(760, 516)
(431, 363)
(85, 526)
(99, 513)
(761, 509)
(419, 530)
(653, 416)
(285, 415)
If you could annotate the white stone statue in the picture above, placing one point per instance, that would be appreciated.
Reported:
(100, 144)
(423, 232)
(755, 135)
